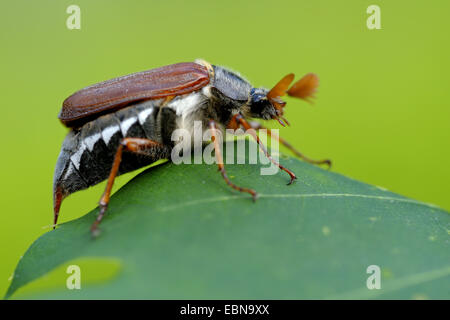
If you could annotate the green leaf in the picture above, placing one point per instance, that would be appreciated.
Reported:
(180, 232)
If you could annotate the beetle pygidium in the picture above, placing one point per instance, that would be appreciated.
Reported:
(137, 113)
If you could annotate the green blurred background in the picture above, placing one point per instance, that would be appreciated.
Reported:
(382, 112)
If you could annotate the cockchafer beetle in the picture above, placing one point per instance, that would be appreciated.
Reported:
(137, 113)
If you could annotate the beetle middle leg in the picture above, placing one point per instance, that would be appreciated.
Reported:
(135, 145)
(213, 128)
(257, 126)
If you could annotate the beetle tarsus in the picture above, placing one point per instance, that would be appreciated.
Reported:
(257, 126)
(252, 192)
(292, 180)
(240, 119)
(221, 167)
(289, 172)
(95, 231)
(327, 162)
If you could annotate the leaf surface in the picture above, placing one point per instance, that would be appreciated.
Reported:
(181, 233)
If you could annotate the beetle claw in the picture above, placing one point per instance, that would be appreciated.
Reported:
(95, 232)
(293, 178)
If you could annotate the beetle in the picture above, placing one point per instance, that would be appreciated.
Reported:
(137, 113)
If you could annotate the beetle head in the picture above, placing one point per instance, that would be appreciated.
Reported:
(268, 104)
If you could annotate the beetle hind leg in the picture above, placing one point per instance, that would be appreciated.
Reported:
(134, 145)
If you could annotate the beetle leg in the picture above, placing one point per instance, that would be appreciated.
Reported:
(257, 126)
(135, 145)
(213, 127)
(240, 119)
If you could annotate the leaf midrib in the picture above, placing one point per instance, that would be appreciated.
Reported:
(306, 195)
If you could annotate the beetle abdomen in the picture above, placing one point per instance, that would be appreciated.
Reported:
(87, 153)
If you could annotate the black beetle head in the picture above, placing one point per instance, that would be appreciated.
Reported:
(263, 107)
(268, 104)
(260, 105)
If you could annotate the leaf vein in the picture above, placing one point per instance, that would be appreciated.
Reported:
(306, 195)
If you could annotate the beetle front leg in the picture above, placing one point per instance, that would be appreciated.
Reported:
(135, 145)
(238, 118)
(213, 128)
(257, 126)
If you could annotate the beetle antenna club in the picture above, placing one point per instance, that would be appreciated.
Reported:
(123, 124)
